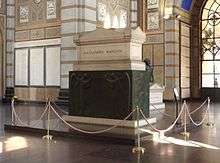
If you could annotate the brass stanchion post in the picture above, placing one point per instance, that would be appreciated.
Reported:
(138, 149)
(209, 123)
(185, 133)
(48, 136)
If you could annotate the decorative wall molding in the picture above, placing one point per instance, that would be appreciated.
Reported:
(47, 42)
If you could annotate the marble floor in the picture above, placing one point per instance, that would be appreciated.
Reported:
(25, 147)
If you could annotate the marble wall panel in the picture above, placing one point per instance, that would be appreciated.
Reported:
(21, 35)
(148, 52)
(52, 32)
(159, 75)
(158, 38)
(159, 54)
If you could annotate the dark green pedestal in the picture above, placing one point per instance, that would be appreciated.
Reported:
(108, 94)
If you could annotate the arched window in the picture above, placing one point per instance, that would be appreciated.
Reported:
(211, 44)
(113, 13)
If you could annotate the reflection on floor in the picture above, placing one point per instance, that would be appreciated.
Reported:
(203, 146)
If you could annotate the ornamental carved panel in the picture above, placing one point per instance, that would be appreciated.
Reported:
(24, 14)
(150, 15)
(152, 4)
(37, 13)
(51, 9)
(153, 21)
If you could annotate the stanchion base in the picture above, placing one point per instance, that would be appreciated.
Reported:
(138, 150)
(185, 134)
(210, 124)
(48, 137)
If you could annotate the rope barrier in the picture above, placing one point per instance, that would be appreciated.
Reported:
(203, 119)
(90, 132)
(169, 128)
(192, 112)
(185, 108)
(168, 115)
(49, 107)
(58, 107)
(15, 115)
(25, 124)
(139, 150)
(173, 116)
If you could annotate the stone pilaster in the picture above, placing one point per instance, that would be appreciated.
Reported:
(9, 50)
(10, 29)
(76, 17)
(172, 44)
(134, 13)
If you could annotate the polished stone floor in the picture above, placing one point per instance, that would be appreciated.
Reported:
(23, 147)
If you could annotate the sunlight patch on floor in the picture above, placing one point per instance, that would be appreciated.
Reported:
(14, 143)
(161, 138)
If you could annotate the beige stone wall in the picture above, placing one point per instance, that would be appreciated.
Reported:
(166, 45)
(36, 21)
